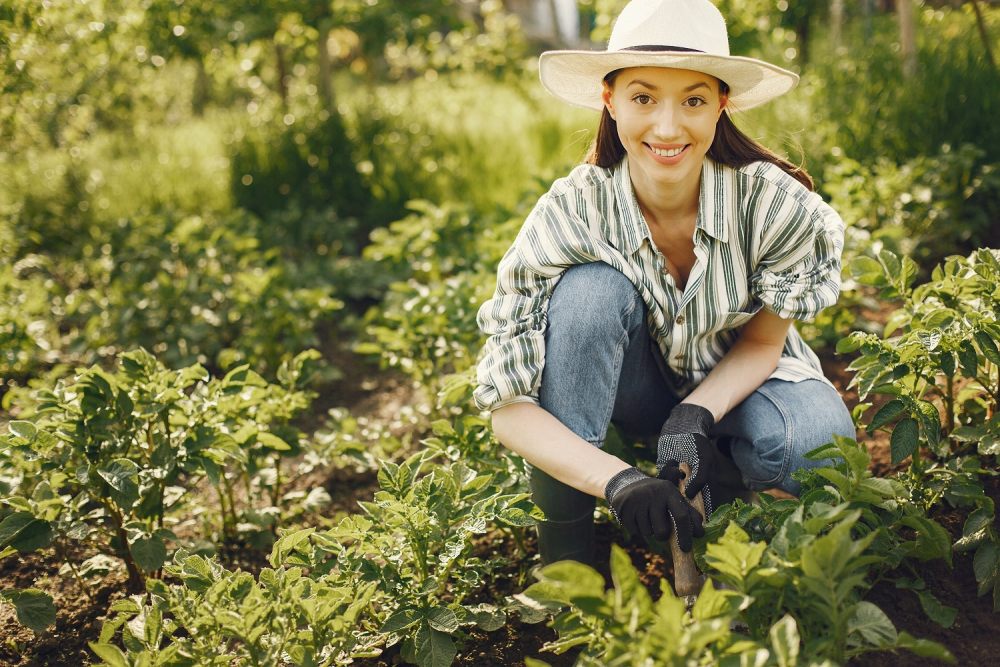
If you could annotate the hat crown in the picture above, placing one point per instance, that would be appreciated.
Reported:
(689, 24)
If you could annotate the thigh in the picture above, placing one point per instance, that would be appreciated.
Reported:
(644, 399)
(600, 364)
(771, 431)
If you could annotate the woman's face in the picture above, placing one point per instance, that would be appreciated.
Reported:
(666, 122)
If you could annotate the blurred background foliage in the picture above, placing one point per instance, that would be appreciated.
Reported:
(235, 182)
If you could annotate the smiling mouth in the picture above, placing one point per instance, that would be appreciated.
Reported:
(667, 152)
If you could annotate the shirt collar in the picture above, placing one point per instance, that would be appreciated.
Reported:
(713, 211)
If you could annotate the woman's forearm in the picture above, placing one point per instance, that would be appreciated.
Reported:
(544, 442)
(739, 374)
(747, 365)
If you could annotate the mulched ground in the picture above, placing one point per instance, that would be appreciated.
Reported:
(974, 638)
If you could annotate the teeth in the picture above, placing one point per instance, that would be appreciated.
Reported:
(662, 152)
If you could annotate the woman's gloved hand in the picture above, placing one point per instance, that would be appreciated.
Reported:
(653, 507)
(684, 439)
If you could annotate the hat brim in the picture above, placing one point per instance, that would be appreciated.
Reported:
(575, 76)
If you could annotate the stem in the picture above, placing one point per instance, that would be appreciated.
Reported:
(420, 549)
(949, 406)
(518, 536)
(222, 509)
(72, 566)
(232, 505)
(277, 480)
(136, 581)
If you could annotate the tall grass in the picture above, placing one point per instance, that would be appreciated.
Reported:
(466, 139)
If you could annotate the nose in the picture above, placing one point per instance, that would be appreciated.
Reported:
(667, 123)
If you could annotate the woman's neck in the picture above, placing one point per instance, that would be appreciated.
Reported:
(668, 205)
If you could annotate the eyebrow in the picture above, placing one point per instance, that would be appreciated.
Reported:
(652, 87)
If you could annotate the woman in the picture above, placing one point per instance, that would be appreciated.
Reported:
(654, 287)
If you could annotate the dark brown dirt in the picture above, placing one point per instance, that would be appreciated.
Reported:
(78, 618)
(974, 639)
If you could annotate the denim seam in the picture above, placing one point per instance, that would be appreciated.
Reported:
(789, 434)
(616, 369)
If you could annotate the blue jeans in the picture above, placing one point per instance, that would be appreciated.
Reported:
(602, 366)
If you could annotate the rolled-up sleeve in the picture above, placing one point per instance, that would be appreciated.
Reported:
(798, 272)
(510, 368)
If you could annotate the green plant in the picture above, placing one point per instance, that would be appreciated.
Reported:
(623, 626)
(278, 616)
(400, 572)
(927, 207)
(429, 331)
(416, 540)
(111, 458)
(29, 338)
(303, 158)
(200, 289)
(942, 360)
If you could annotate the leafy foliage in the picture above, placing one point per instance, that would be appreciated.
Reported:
(399, 572)
(110, 458)
(798, 589)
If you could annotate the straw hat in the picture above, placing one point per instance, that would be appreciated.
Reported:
(683, 34)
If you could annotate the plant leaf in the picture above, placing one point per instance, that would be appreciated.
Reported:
(941, 614)
(34, 608)
(286, 544)
(149, 553)
(784, 637)
(871, 626)
(904, 439)
(443, 619)
(24, 532)
(122, 475)
(110, 654)
(886, 414)
(433, 648)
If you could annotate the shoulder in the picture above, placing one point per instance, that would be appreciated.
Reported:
(582, 180)
(768, 181)
(576, 199)
(564, 226)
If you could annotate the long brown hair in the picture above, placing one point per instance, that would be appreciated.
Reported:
(729, 147)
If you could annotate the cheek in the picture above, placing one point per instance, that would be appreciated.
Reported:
(706, 129)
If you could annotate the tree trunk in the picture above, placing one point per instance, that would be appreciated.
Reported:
(983, 34)
(325, 84)
(837, 24)
(802, 38)
(280, 64)
(202, 92)
(907, 37)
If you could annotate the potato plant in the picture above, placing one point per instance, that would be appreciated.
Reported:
(399, 572)
(111, 459)
(797, 590)
(939, 362)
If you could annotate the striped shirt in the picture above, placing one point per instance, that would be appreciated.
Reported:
(762, 240)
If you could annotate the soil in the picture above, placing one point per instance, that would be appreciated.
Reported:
(974, 638)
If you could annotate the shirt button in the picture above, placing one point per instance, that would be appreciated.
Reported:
(680, 319)
(679, 356)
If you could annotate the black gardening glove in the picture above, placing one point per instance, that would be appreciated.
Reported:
(684, 439)
(652, 507)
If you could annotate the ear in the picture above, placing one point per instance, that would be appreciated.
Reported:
(723, 103)
(606, 92)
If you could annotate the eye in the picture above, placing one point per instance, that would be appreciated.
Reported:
(695, 101)
(642, 98)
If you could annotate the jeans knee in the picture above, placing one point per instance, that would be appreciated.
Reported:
(786, 426)
(593, 299)
(764, 461)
